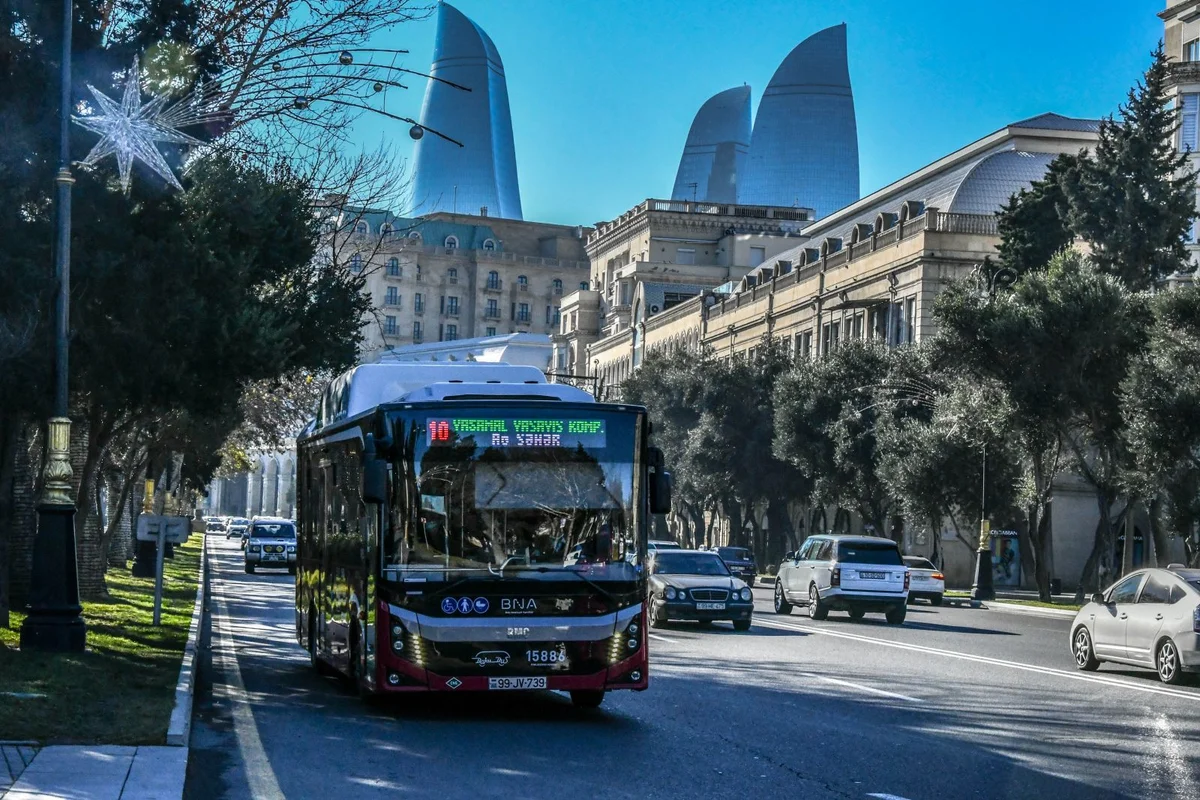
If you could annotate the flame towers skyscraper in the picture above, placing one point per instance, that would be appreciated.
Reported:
(483, 172)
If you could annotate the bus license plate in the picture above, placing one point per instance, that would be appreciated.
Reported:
(710, 606)
(517, 683)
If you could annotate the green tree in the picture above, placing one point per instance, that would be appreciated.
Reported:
(1033, 223)
(1134, 198)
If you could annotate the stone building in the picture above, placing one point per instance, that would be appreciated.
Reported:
(268, 490)
(653, 257)
(445, 277)
(1181, 41)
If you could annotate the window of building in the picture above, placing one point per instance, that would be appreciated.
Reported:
(393, 268)
(829, 337)
(1190, 103)
(493, 309)
(1191, 50)
(356, 263)
(452, 275)
(385, 232)
(493, 281)
(417, 336)
(549, 314)
(392, 297)
(556, 316)
(414, 235)
(419, 303)
(523, 283)
(389, 326)
(757, 256)
(451, 333)
(362, 228)
(583, 286)
(803, 345)
(558, 285)
(489, 244)
(685, 255)
(452, 306)
(490, 332)
(419, 276)
(451, 242)
(910, 320)
(523, 312)
(857, 331)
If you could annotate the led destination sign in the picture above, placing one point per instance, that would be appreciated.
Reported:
(517, 432)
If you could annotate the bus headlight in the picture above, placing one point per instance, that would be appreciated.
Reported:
(397, 631)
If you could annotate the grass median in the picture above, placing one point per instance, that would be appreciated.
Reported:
(122, 689)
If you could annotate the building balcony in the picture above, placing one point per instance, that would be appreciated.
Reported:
(524, 319)
(1183, 72)
(452, 312)
(392, 331)
(492, 313)
(493, 286)
(418, 308)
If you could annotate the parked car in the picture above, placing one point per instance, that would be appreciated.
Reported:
(1149, 618)
(696, 585)
(271, 542)
(926, 582)
(844, 573)
(740, 562)
(662, 544)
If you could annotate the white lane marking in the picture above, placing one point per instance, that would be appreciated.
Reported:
(661, 638)
(861, 687)
(1103, 680)
(259, 774)
(881, 796)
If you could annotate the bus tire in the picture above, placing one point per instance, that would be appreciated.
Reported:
(587, 698)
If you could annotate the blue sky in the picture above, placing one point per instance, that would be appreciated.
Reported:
(603, 91)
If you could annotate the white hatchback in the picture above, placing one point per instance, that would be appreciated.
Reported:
(844, 573)
(1149, 618)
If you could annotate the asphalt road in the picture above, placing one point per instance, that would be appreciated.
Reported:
(956, 703)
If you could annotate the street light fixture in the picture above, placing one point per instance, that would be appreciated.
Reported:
(54, 622)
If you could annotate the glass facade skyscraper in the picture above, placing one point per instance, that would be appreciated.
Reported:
(715, 153)
(483, 172)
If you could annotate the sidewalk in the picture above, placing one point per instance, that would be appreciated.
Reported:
(103, 772)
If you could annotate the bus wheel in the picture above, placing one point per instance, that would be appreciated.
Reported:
(587, 698)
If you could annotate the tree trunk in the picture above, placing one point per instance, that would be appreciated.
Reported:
(1097, 567)
(118, 514)
(1161, 547)
(10, 429)
(780, 536)
(731, 510)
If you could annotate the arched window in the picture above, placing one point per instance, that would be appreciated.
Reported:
(451, 242)
(414, 235)
(356, 263)
(523, 283)
(362, 228)
(489, 244)
(385, 232)
(393, 267)
(452, 274)
(583, 286)
(558, 285)
(493, 281)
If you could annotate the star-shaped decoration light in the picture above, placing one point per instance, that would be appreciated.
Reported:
(130, 130)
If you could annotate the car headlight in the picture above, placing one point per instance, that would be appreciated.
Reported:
(669, 593)
(254, 548)
(291, 548)
(747, 594)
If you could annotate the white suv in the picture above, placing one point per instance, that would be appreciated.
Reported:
(844, 573)
(271, 542)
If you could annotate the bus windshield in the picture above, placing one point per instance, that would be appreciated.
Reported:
(515, 490)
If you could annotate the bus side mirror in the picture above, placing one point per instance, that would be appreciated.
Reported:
(375, 474)
(660, 492)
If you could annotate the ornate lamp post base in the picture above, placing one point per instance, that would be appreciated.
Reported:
(54, 623)
(983, 588)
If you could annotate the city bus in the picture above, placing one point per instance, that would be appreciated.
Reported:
(470, 527)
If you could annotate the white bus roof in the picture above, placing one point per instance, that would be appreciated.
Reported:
(370, 385)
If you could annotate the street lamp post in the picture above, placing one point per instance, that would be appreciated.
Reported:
(53, 622)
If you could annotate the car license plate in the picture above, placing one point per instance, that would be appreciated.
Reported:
(517, 683)
(710, 606)
(273, 557)
(872, 576)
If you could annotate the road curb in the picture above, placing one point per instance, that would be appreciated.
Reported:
(180, 726)
(1036, 611)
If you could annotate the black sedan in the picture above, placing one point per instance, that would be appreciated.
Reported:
(740, 562)
(696, 585)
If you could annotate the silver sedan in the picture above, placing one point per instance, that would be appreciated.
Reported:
(1149, 618)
